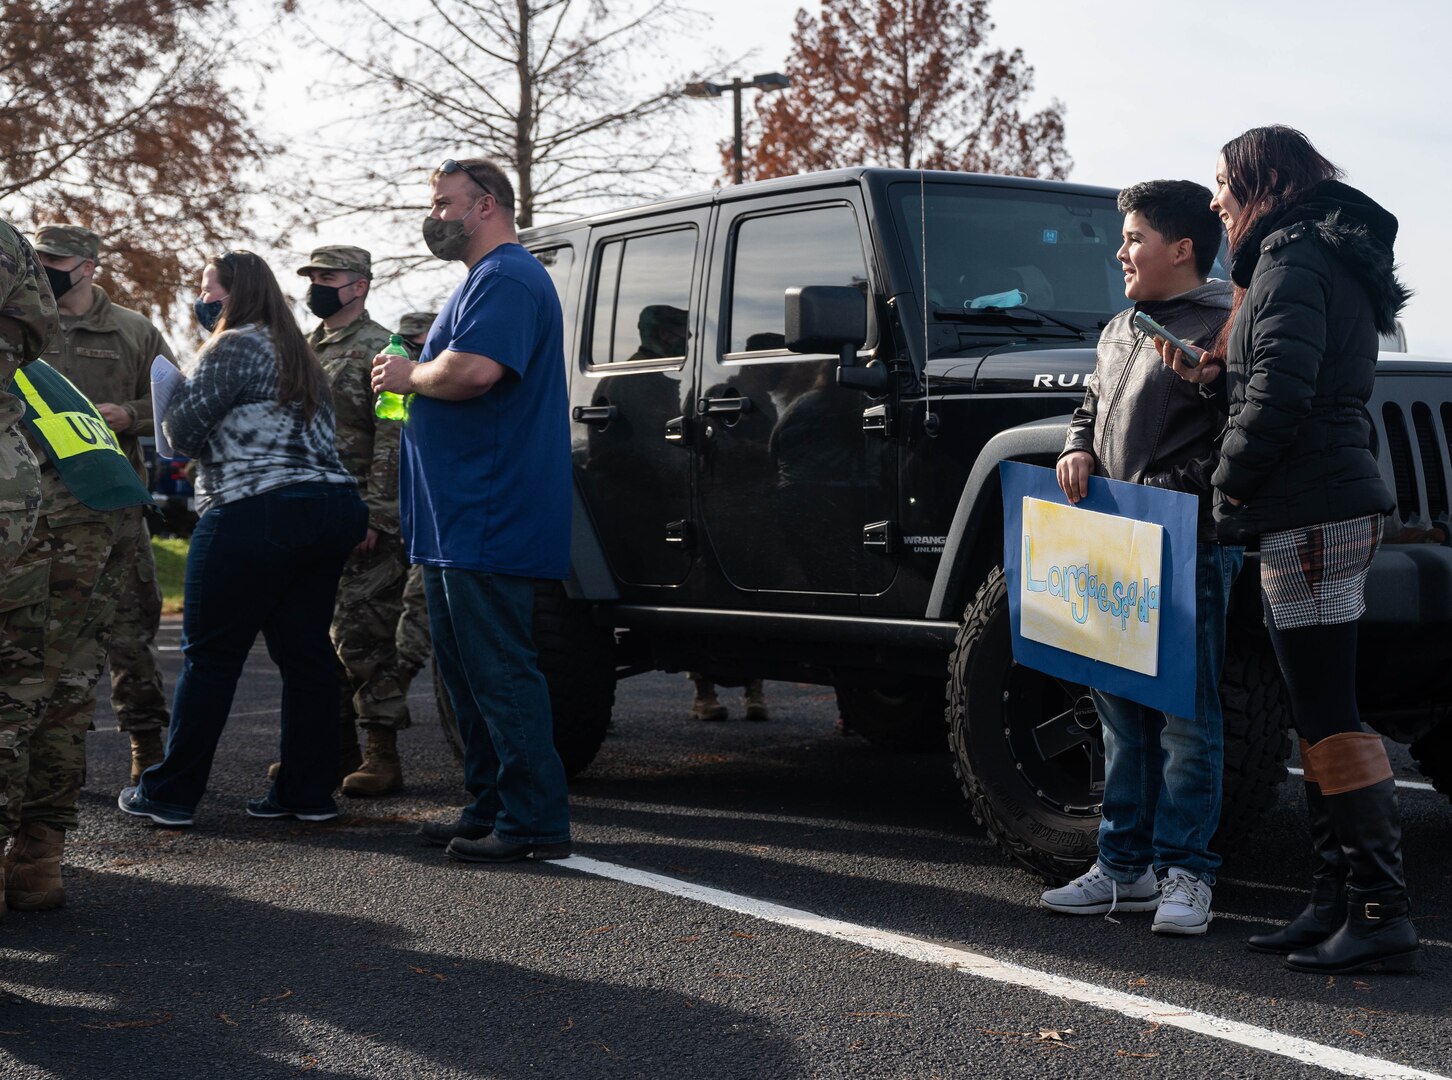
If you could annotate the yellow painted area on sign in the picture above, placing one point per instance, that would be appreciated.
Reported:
(1091, 584)
(73, 433)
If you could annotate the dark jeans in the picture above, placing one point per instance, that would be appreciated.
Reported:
(1162, 773)
(267, 564)
(482, 627)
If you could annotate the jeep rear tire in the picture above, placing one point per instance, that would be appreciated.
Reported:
(907, 717)
(577, 658)
(1433, 752)
(1028, 752)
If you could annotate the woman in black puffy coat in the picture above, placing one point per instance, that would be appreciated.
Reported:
(1311, 262)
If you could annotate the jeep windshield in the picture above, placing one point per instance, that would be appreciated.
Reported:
(1008, 262)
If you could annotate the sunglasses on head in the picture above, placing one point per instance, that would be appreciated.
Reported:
(452, 166)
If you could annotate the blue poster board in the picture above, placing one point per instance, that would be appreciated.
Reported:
(1172, 689)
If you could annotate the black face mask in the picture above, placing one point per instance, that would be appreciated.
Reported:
(207, 312)
(323, 300)
(60, 280)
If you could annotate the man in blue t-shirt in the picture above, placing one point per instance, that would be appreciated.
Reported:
(484, 494)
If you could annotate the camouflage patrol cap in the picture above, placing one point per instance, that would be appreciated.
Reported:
(416, 322)
(339, 257)
(67, 240)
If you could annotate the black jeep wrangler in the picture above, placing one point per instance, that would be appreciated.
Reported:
(801, 483)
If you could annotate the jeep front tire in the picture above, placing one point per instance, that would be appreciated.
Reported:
(1029, 755)
(577, 658)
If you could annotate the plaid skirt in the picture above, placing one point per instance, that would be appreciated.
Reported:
(1316, 576)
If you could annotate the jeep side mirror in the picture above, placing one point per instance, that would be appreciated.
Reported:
(833, 318)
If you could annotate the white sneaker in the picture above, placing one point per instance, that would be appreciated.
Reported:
(1184, 904)
(1096, 893)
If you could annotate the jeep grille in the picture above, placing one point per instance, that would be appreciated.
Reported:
(1417, 444)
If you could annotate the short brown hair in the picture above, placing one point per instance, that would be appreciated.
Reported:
(477, 169)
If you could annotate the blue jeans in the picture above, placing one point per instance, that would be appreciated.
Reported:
(483, 634)
(1162, 773)
(266, 564)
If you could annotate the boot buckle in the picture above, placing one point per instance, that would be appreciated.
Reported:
(1368, 913)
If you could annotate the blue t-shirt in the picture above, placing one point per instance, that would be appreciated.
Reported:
(484, 484)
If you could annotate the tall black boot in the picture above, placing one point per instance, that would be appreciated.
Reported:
(1326, 909)
(1358, 790)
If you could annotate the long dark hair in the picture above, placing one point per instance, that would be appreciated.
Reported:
(1267, 169)
(253, 296)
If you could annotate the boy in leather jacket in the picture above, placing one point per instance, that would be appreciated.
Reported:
(1142, 424)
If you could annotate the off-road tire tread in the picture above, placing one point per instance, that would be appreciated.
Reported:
(577, 658)
(1433, 753)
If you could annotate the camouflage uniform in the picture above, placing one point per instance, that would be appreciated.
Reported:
(107, 354)
(27, 322)
(412, 639)
(370, 594)
(57, 603)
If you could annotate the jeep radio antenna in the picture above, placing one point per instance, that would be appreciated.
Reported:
(930, 418)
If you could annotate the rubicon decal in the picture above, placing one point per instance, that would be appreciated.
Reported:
(1061, 380)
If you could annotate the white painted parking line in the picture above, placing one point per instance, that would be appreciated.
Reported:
(985, 967)
(1410, 785)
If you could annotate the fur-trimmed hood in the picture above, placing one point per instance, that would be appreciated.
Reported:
(1354, 228)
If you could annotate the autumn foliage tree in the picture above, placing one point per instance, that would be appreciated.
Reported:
(113, 115)
(905, 83)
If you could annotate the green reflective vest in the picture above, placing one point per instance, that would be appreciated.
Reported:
(78, 442)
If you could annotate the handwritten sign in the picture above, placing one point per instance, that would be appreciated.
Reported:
(1091, 584)
(1102, 593)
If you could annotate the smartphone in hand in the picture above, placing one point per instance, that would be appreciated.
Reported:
(1153, 329)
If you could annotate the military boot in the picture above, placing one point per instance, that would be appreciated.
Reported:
(380, 772)
(706, 706)
(1326, 908)
(349, 757)
(1361, 796)
(755, 701)
(32, 868)
(146, 750)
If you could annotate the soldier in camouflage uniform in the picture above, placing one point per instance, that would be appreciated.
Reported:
(106, 351)
(412, 639)
(57, 603)
(370, 595)
(27, 323)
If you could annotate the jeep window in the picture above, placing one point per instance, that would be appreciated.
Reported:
(819, 246)
(1001, 248)
(642, 296)
(557, 261)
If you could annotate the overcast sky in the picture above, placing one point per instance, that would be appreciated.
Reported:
(1152, 90)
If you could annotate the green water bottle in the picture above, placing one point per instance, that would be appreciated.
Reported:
(391, 406)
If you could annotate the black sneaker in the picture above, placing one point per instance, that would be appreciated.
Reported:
(491, 849)
(266, 808)
(439, 833)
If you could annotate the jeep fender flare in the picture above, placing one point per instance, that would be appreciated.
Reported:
(1036, 439)
(590, 575)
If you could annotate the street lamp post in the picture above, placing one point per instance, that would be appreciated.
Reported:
(772, 80)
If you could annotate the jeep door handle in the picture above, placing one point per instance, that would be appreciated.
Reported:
(725, 406)
(594, 414)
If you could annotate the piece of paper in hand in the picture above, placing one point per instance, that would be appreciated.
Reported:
(165, 380)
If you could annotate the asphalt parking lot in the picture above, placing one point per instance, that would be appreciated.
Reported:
(746, 900)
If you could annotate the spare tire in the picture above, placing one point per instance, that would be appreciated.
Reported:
(577, 657)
